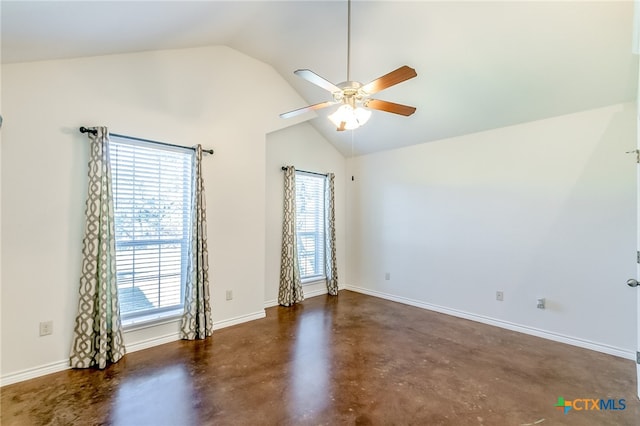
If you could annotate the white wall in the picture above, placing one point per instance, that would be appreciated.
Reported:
(303, 147)
(542, 209)
(211, 95)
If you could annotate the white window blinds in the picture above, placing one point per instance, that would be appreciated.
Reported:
(310, 224)
(152, 199)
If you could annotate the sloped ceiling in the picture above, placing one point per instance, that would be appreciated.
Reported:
(481, 65)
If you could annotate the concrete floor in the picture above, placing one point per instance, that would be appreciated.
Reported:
(346, 360)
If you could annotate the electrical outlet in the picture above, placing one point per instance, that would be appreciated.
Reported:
(542, 303)
(499, 296)
(229, 294)
(46, 328)
(387, 276)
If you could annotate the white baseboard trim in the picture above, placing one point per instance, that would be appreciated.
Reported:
(574, 341)
(307, 295)
(55, 367)
(217, 325)
(32, 373)
(270, 303)
(154, 341)
(172, 337)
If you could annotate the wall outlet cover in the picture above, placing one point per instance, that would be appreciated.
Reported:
(46, 328)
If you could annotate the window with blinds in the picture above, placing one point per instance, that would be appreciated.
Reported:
(152, 199)
(310, 225)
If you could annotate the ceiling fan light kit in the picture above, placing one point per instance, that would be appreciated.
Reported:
(353, 96)
(348, 118)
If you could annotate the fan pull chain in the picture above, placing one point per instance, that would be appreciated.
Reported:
(352, 149)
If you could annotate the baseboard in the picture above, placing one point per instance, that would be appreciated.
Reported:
(217, 325)
(32, 373)
(154, 341)
(307, 295)
(270, 303)
(574, 341)
(55, 367)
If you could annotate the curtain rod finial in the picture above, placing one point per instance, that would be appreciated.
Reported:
(85, 130)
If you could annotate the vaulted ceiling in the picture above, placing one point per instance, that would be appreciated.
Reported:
(481, 65)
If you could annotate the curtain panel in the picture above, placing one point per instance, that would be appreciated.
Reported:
(97, 338)
(290, 290)
(330, 264)
(196, 320)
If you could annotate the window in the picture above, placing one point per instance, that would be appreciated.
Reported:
(310, 225)
(152, 199)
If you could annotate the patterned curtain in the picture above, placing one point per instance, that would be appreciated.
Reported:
(330, 264)
(196, 320)
(97, 339)
(290, 287)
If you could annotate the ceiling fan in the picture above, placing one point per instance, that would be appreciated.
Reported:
(354, 96)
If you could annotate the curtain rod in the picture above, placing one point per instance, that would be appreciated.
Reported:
(283, 168)
(94, 131)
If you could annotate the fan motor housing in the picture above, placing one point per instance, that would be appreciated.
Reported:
(350, 92)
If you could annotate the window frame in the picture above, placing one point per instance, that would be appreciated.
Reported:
(319, 260)
(156, 314)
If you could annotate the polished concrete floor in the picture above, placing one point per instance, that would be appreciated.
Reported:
(346, 360)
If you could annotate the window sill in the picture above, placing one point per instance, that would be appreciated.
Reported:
(139, 323)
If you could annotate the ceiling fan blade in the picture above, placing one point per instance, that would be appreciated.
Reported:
(394, 77)
(317, 80)
(390, 107)
(306, 109)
